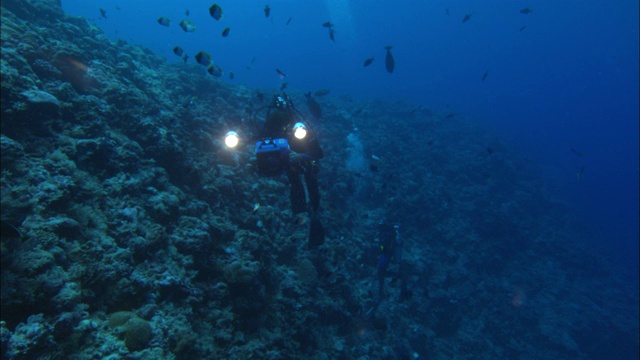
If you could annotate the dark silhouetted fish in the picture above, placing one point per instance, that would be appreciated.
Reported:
(331, 35)
(580, 173)
(215, 11)
(321, 92)
(260, 96)
(466, 18)
(178, 50)
(368, 62)
(526, 11)
(327, 24)
(185, 57)
(283, 86)
(523, 27)
(203, 58)
(486, 73)
(186, 12)
(267, 10)
(282, 75)
(576, 152)
(288, 21)
(231, 75)
(164, 21)
(225, 32)
(446, 11)
(312, 104)
(187, 26)
(103, 13)
(215, 70)
(389, 62)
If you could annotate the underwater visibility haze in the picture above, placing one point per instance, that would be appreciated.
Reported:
(477, 184)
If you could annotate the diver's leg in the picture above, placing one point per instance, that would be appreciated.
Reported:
(296, 192)
(312, 187)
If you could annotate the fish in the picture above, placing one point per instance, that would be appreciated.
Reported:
(466, 17)
(282, 75)
(321, 92)
(260, 96)
(312, 104)
(188, 100)
(178, 50)
(526, 11)
(187, 26)
(203, 58)
(368, 62)
(331, 36)
(185, 57)
(256, 206)
(576, 152)
(283, 86)
(486, 73)
(103, 13)
(231, 76)
(523, 27)
(489, 150)
(288, 21)
(446, 11)
(267, 10)
(164, 21)
(186, 12)
(215, 11)
(215, 70)
(327, 24)
(580, 173)
(389, 62)
(225, 32)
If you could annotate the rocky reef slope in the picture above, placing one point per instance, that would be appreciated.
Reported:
(129, 231)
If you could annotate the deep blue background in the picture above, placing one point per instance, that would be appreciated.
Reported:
(568, 80)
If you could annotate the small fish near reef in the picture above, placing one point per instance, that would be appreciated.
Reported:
(164, 21)
(389, 62)
(367, 62)
(178, 50)
(226, 31)
(203, 58)
(283, 86)
(187, 26)
(185, 58)
(327, 24)
(103, 13)
(215, 11)
(231, 76)
(321, 92)
(526, 11)
(215, 70)
(332, 35)
(466, 18)
(267, 10)
(281, 74)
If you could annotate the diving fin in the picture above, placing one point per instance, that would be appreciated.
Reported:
(316, 233)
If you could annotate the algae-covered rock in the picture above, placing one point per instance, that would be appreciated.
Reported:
(136, 331)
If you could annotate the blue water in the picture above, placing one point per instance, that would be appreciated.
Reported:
(568, 80)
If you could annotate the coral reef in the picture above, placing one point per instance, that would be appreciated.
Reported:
(129, 231)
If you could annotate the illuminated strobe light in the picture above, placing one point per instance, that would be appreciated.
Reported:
(231, 139)
(299, 130)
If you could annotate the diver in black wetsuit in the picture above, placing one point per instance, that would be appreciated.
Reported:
(299, 157)
(391, 244)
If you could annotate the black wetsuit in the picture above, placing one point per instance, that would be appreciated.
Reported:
(306, 152)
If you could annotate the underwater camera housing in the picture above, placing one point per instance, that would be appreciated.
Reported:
(272, 155)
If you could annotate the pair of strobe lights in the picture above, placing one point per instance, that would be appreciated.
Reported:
(232, 139)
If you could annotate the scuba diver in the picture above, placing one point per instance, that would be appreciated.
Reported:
(289, 145)
(390, 251)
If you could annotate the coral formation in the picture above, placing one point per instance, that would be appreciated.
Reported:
(118, 199)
